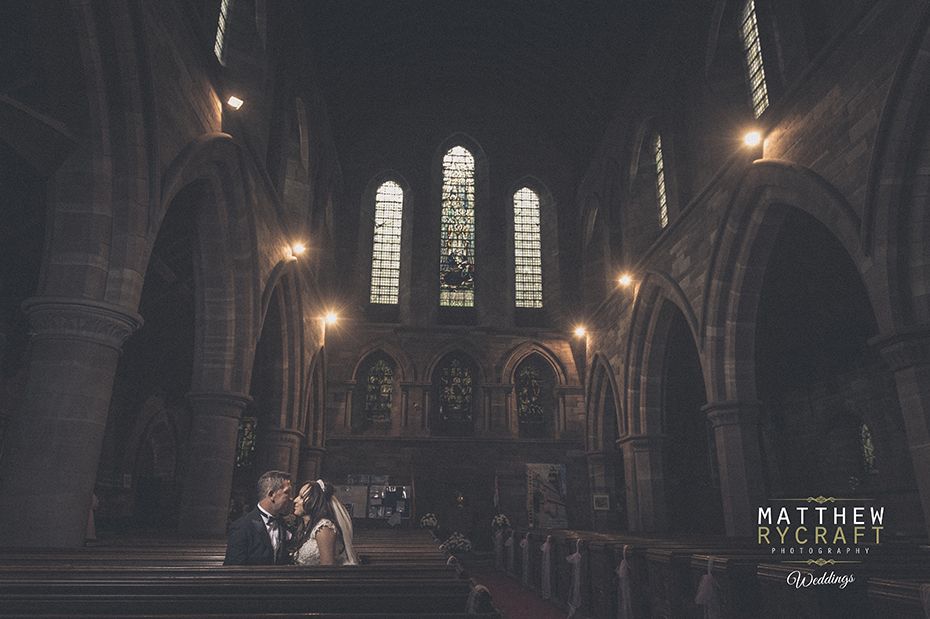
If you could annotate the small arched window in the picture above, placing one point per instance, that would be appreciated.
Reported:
(749, 30)
(220, 43)
(661, 196)
(379, 391)
(533, 385)
(455, 386)
(385, 259)
(527, 248)
(457, 237)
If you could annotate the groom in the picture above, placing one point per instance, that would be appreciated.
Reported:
(258, 537)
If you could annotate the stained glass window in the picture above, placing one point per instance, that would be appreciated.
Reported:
(753, 48)
(529, 386)
(533, 387)
(378, 391)
(385, 262)
(527, 248)
(455, 392)
(245, 445)
(218, 46)
(457, 238)
(660, 181)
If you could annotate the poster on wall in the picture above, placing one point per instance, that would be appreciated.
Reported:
(546, 496)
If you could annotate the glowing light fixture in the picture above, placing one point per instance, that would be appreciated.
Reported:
(235, 102)
(579, 331)
(298, 249)
(330, 318)
(752, 138)
(625, 280)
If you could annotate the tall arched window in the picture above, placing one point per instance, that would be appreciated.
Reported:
(385, 257)
(457, 237)
(749, 30)
(660, 181)
(527, 248)
(219, 45)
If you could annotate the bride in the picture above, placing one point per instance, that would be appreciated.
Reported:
(324, 531)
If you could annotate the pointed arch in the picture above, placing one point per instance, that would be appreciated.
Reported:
(738, 260)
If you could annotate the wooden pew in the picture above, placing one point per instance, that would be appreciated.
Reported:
(405, 576)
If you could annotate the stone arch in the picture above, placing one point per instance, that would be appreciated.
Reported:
(508, 376)
(738, 263)
(404, 366)
(655, 297)
(227, 286)
(480, 365)
(602, 395)
(894, 229)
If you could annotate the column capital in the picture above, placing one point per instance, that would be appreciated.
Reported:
(98, 322)
(218, 403)
(641, 441)
(905, 347)
(732, 413)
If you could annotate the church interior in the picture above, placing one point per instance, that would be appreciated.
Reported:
(650, 279)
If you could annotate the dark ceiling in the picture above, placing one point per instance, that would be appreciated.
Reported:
(537, 76)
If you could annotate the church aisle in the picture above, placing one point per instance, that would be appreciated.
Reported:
(515, 600)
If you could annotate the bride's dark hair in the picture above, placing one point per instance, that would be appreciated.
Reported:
(318, 505)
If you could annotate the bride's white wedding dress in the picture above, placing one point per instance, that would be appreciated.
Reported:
(309, 553)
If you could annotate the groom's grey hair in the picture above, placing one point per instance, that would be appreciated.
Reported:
(271, 482)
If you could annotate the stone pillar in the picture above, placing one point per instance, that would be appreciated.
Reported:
(739, 459)
(499, 419)
(598, 483)
(645, 494)
(311, 459)
(211, 457)
(50, 467)
(907, 352)
(280, 450)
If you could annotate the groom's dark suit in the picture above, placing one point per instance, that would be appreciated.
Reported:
(249, 542)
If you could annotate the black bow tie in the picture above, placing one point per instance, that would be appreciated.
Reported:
(273, 521)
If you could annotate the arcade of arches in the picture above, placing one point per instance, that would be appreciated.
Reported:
(163, 342)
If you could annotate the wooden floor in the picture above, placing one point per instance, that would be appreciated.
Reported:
(402, 574)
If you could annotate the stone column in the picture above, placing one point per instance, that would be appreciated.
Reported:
(739, 459)
(280, 450)
(645, 495)
(211, 457)
(50, 467)
(311, 459)
(907, 352)
(598, 482)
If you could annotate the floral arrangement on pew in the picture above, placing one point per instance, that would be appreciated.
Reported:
(428, 521)
(500, 523)
(457, 543)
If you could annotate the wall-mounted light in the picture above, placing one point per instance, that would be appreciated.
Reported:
(753, 138)
(298, 249)
(625, 280)
(330, 318)
(234, 102)
(579, 331)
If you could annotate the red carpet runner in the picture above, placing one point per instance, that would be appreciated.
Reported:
(514, 599)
